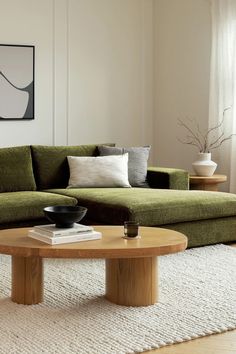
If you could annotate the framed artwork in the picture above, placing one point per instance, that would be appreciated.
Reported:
(16, 82)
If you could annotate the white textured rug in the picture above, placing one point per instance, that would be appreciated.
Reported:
(197, 298)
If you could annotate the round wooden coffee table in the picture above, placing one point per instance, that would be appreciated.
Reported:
(131, 265)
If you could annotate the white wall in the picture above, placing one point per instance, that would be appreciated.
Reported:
(30, 22)
(110, 71)
(93, 72)
(182, 69)
(113, 71)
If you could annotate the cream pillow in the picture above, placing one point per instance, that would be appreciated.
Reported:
(99, 171)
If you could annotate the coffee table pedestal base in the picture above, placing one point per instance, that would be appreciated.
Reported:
(27, 280)
(132, 281)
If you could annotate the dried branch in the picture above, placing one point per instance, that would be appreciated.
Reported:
(216, 140)
(193, 135)
(189, 143)
(222, 141)
(206, 142)
(215, 128)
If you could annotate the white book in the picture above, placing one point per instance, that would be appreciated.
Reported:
(52, 230)
(92, 235)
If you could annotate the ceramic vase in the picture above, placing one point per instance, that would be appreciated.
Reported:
(204, 166)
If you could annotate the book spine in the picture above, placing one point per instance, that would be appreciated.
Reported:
(59, 241)
(66, 239)
(61, 233)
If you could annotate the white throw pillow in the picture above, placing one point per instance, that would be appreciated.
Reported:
(99, 171)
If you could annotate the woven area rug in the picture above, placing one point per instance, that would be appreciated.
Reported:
(197, 298)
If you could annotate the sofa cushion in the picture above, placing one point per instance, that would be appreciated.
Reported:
(167, 178)
(137, 164)
(206, 232)
(20, 206)
(50, 163)
(16, 169)
(152, 206)
(98, 171)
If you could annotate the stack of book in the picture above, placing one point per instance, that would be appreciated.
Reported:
(54, 236)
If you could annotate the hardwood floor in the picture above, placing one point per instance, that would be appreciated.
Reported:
(224, 343)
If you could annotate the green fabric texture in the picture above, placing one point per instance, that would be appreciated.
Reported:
(24, 223)
(50, 163)
(207, 232)
(167, 178)
(16, 169)
(20, 206)
(151, 207)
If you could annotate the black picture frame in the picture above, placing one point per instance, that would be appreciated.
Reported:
(17, 82)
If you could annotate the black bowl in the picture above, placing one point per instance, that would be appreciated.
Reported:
(64, 216)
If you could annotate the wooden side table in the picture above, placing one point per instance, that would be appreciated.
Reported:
(206, 183)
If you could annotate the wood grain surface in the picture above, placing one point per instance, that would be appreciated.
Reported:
(27, 280)
(132, 282)
(153, 242)
(208, 180)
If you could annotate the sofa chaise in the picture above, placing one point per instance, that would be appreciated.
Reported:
(33, 177)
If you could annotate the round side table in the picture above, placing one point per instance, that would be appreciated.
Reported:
(206, 183)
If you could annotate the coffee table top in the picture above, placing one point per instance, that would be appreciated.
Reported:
(153, 242)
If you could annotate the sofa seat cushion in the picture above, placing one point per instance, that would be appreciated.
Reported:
(20, 206)
(151, 206)
(207, 232)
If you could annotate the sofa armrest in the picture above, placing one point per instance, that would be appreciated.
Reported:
(167, 178)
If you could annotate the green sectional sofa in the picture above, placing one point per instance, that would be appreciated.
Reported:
(33, 177)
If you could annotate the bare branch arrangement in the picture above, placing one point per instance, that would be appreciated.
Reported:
(205, 142)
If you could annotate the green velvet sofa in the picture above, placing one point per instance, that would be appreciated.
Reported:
(33, 177)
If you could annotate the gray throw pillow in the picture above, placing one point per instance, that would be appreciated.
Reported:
(137, 163)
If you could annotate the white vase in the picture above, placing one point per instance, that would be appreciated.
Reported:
(204, 166)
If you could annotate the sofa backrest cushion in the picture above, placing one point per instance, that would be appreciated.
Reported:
(50, 163)
(137, 164)
(98, 171)
(16, 171)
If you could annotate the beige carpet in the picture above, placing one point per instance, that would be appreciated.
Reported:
(197, 298)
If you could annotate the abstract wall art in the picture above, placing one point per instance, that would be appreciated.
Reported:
(16, 82)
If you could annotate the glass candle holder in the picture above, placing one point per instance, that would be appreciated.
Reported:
(131, 228)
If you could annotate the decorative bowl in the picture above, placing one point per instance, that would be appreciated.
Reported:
(63, 215)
